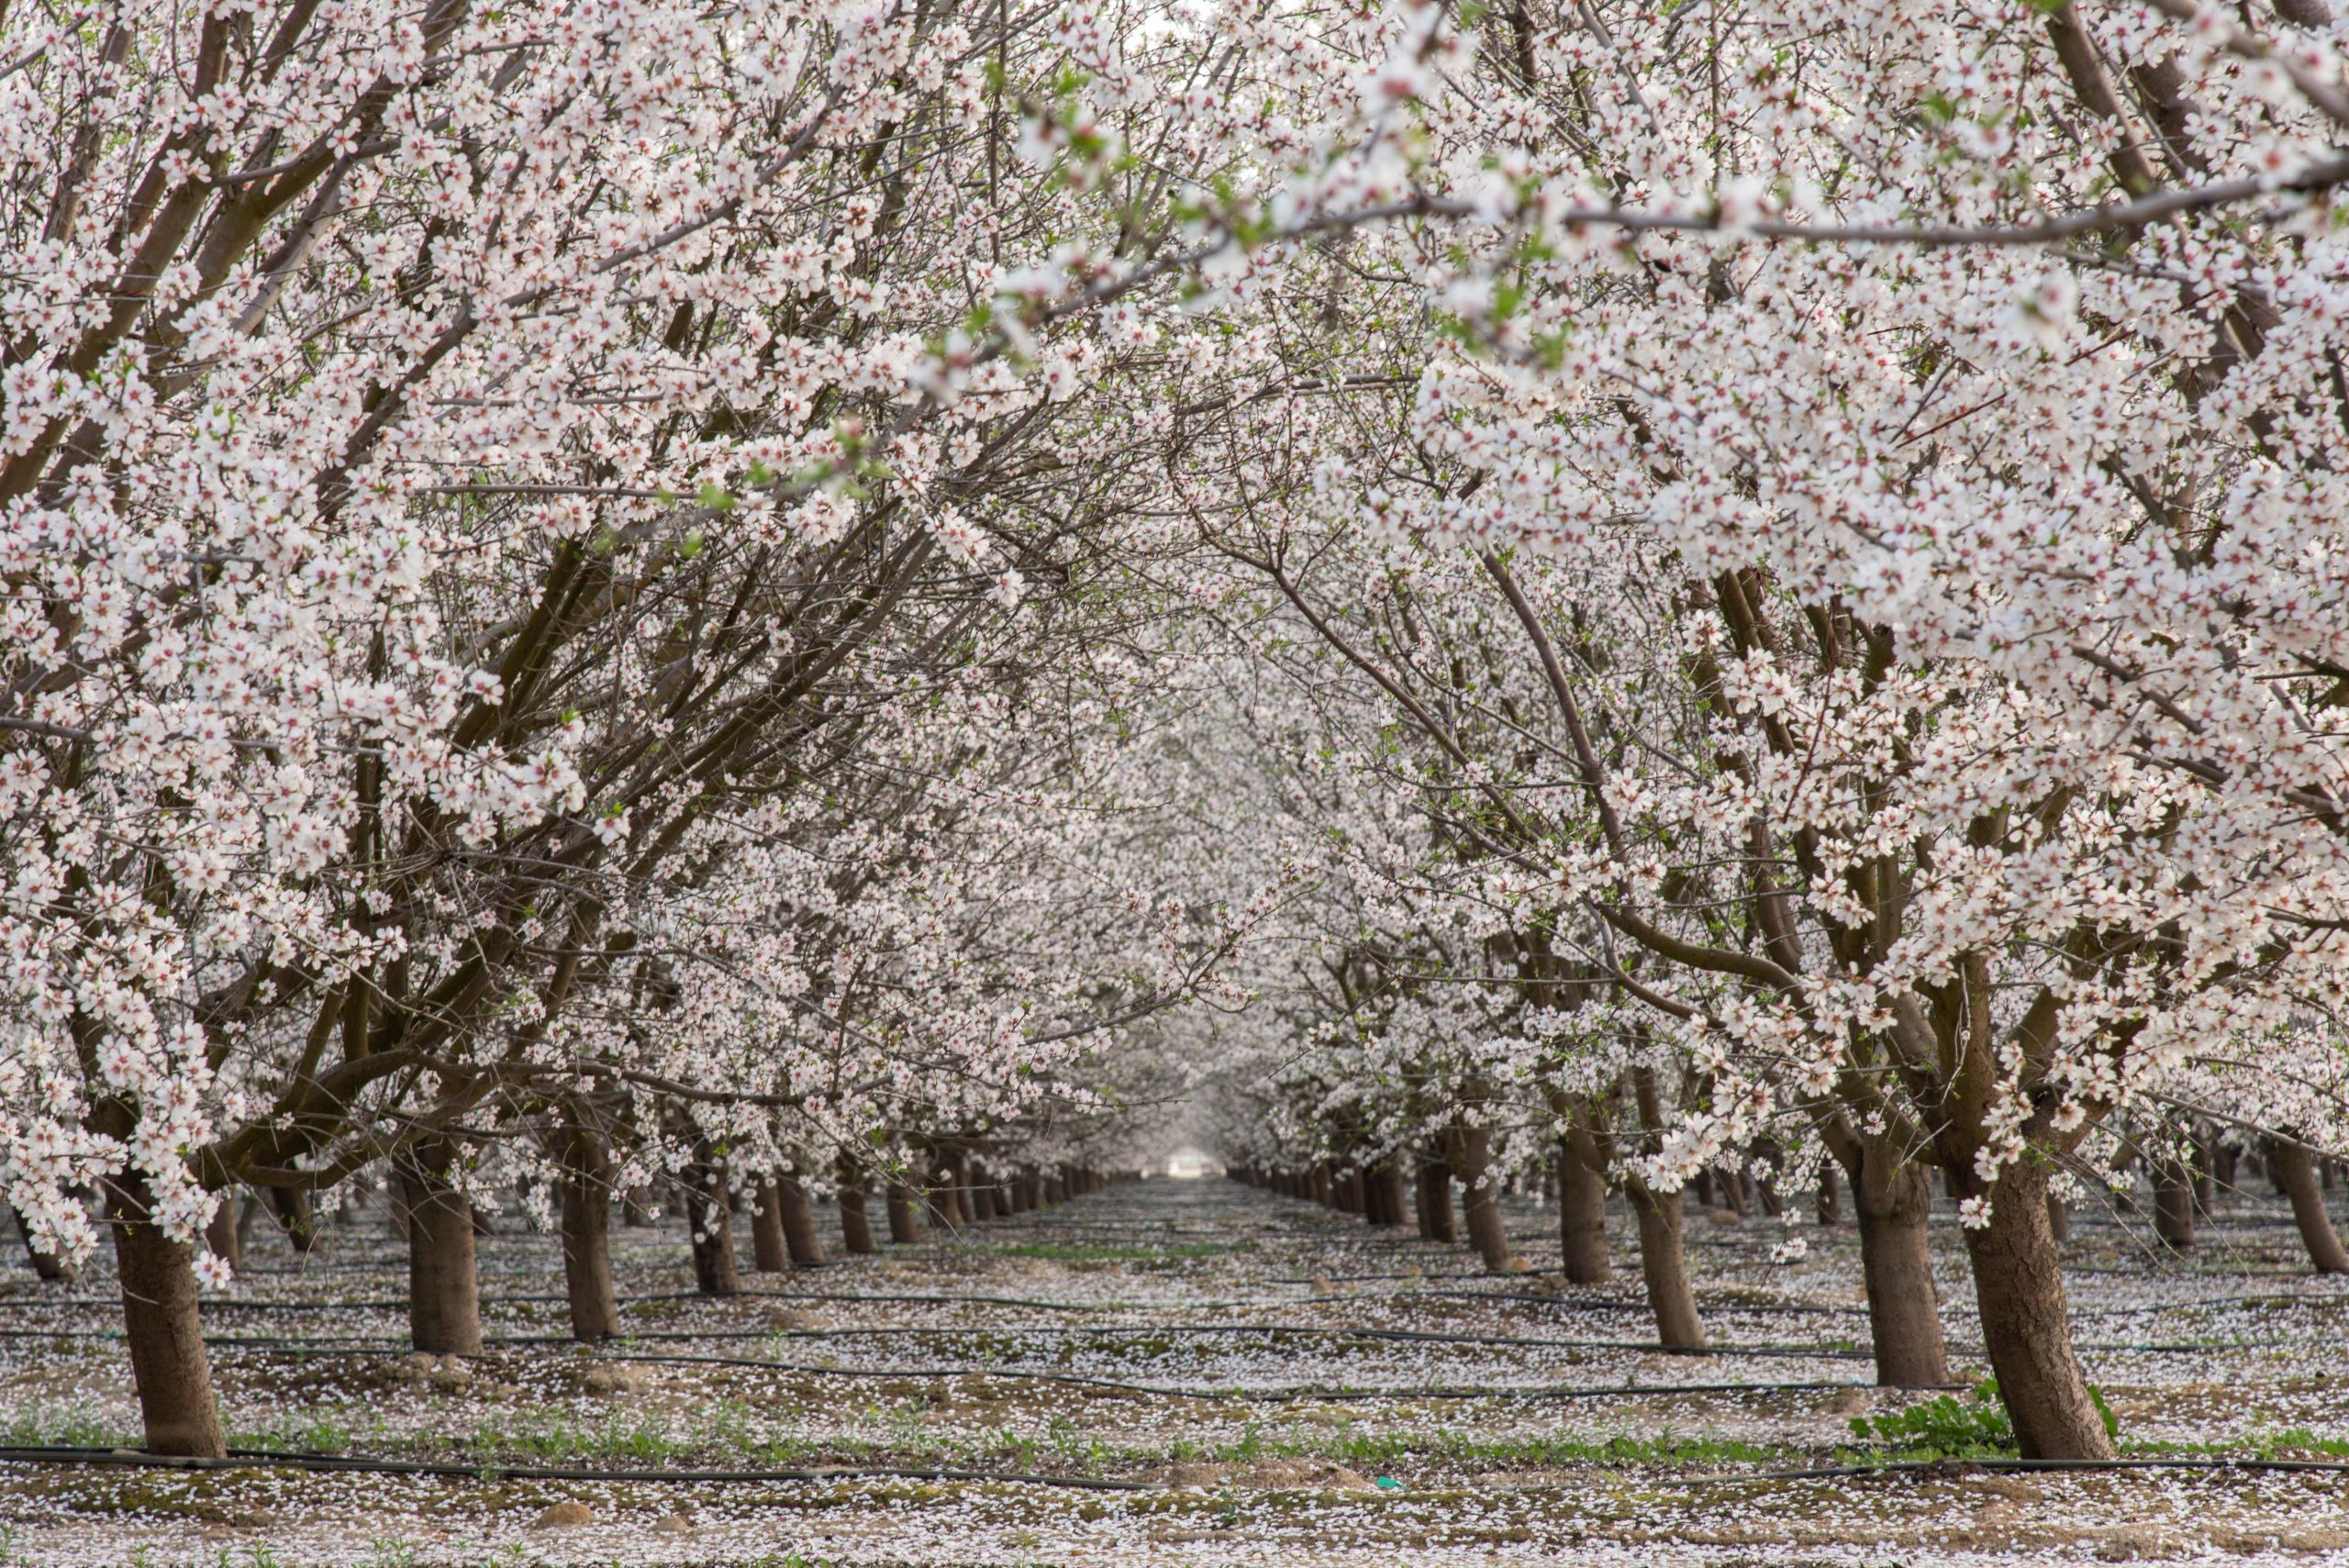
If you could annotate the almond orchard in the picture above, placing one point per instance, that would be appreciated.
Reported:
(1648, 674)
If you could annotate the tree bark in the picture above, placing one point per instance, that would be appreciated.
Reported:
(1894, 1199)
(2172, 1202)
(46, 1265)
(1436, 1221)
(443, 1292)
(798, 1222)
(770, 1253)
(221, 1237)
(586, 1195)
(905, 1222)
(1472, 1156)
(2026, 1321)
(2295, 1172)
(166, 1338)
(1664, 1268)
(2059, 1219)
(856, 1224)
(292, 1206)
(712, 1224)
(1826, 1206)
(1581, 1210)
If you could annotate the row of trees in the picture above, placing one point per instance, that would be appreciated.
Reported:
(644, 589)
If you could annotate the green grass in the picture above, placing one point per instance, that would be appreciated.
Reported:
(47, 1425)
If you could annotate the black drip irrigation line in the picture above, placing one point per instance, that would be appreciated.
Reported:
(1957, 1469)
(330, 1463)
(1273, 1396)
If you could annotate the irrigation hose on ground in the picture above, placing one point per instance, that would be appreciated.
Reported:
(327, 1463)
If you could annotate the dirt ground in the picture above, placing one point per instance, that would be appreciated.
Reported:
(1240, 1379)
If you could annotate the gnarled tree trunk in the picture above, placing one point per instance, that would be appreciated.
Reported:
(798, 1222)
(2172, 1202)
(905, 1217)
(1472, 1157)
(587, 1197)
(1581, 1207)
(1893, 1198)
(1664, 1268)
(222, 1238)
(2026, 1321)
(46, 1265)
(770, 1253)
(1436, 1221)
(2294, 1169)
(710, 1222)
(166, 1339)
(443, 1291)
(856, 1224)
(301, 1226)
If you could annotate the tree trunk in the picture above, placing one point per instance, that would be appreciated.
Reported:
(856, 1224)
(2026, 1322)
(166, 1338)
(443, 1293)
(1436, 1221)
(2295, 1172)
(712, 1224)
(46, 1265)
(798, 1222)
(1894, 1200)
(221, 1237)
(293, 1207)
(2172, 1202)
(1663, 1267)
(1582, 1211)
(1826, 1206)
(770, 1253)
(905, 1222)
(1472, 1156)
(2059, 1219)
(586, 1194)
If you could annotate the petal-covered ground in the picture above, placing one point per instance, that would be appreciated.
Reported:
(1179, 1372)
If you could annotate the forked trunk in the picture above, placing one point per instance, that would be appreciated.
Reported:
(443, 1293)
(2295, 1170)
(1581, 1213)
(166, 1339)
(856, 1225)
(2026, 1322)
(1664, 1268)
(798, 1222)
(1895, 1199)
(711, 1223)
(586, 1194)
(1472, 1155)
(905, 1221)
(770, 1254)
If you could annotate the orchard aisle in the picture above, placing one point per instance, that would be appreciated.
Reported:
(1255, 1378)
